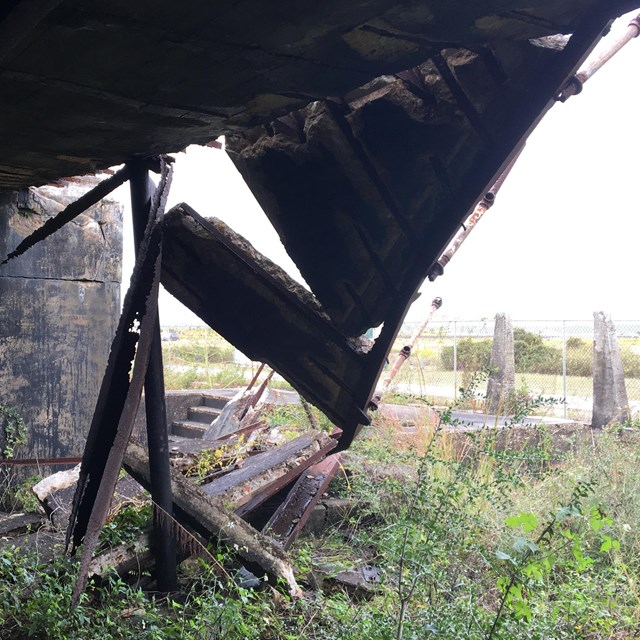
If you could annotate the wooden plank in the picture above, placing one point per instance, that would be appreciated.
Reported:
(193, 505)
(282, 481)
(264, 474)
(287, 522)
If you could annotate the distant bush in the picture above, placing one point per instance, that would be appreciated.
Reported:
(533, 355)
(630, 363)
(580, 359)
(198, 352)
(473, 355)
(575, 343)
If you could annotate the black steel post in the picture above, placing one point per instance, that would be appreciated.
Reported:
(159, 469)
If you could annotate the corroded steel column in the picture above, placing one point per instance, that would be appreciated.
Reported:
(156, 413)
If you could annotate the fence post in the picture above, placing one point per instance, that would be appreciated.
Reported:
(610, 400)
(502, 379)
(455, 360)
(564, 367)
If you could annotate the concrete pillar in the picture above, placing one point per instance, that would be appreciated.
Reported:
(610, 401)
(59, 305)
(502, 380)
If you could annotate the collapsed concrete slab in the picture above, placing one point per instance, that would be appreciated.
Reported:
(257, 307)
(117, 79)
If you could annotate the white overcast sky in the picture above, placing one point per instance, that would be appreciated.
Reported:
(561, 241)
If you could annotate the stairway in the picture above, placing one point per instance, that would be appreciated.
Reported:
(199, 417)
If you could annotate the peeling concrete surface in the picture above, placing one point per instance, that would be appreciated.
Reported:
(58, 308)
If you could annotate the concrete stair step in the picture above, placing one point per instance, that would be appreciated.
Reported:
(215, 402)
(203, 414)
(188, 428)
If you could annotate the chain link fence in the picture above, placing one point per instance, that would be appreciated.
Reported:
(553, 359)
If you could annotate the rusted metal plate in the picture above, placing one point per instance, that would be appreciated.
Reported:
(291, 516)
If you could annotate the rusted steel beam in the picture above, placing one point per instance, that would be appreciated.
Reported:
(307, 409)
(576, 83)
(402, 356)
(289, 519)
(119, 395)
(164, 547)
(34, 462)
(253, 400)
(69, 213)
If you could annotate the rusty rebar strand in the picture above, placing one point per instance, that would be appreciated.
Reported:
(481, 208)
(575, 84)
(402, 356)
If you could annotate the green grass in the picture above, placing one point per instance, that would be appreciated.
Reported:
(538, 383)
(484, 540)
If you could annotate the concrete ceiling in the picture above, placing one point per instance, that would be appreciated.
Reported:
(84, 84)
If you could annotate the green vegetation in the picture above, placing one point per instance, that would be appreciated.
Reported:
(13, 432)
(202, 359)
(533, 354)
(479, 535)
(16, 494)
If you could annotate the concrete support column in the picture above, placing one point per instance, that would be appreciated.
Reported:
(59, 304)
(610, 401)
(502, 380)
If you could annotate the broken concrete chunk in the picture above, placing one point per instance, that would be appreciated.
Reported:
(13, 524)
(264, 474)
(123, 558)
(56, 492)
(272, 318)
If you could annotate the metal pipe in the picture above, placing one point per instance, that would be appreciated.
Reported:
(35, 462)
(564, 366)
(155, 405)
(481, 208)
(455, 360)
(575, 83)
(402, 356)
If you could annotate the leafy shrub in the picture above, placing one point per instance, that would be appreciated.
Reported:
(630, 363)
(532, 355)
(580, 360)
(473, 355)
(203, 352)
(13, 431)
(575, 343)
